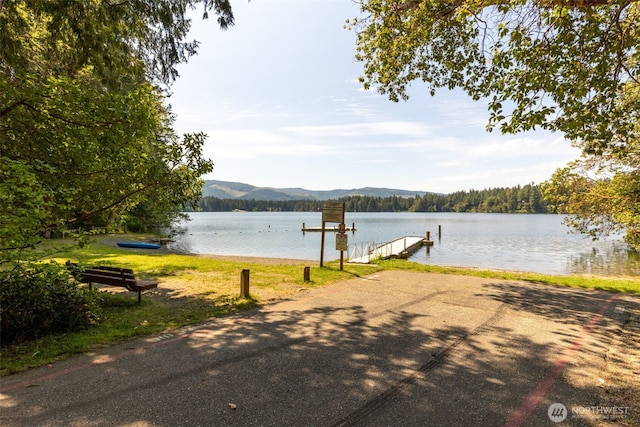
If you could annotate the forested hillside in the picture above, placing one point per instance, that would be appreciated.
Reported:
(239, 190)
(519, 199)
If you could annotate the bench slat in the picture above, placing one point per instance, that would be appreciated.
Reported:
(106, 280)
(114, 269)
(145, 285)
(105, 273)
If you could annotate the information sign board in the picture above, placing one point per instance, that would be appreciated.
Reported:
(333, 212)
(341, 242)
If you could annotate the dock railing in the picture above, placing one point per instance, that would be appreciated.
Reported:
(399, 248)
(359, 250)
(366, 251)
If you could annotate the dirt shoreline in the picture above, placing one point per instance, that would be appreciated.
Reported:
(112, 240)
(258, 260)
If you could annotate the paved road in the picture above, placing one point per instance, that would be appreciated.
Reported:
(394, 348)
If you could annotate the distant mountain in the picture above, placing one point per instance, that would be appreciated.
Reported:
(238, 190)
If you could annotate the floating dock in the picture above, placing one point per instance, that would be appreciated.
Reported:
(399, 248)
(332, 228)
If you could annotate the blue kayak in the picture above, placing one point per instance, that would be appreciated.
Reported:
(138, 245)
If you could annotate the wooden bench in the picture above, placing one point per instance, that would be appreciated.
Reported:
(115, 276)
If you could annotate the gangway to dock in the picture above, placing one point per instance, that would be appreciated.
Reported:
(399, 248)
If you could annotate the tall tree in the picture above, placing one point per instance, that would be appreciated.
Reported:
(564, 65)
(84, 132)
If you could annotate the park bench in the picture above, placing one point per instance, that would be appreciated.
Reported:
(114, 276)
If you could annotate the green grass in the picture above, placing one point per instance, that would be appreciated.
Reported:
(194, 289)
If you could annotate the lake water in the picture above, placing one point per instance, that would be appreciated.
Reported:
(536, 243)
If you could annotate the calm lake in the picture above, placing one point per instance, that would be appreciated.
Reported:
(535, 243)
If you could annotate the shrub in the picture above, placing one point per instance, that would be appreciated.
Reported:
(40, 299)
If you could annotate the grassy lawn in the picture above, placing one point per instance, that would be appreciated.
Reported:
(195, 288)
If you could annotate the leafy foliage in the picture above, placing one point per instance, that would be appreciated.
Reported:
(86, 140)
(598, 207)
(22, 204)
(123, 42)
(557, 65)
(568, 66)
(85, 137)
(41, 299)
(601, 192)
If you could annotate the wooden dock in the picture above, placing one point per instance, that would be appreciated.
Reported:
(330, 229)
(399, 248)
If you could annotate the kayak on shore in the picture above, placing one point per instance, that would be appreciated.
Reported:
(138, 245)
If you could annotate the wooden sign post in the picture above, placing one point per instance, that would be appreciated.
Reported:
(331, 212)
(341, 243)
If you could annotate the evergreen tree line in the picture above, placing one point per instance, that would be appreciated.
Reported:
(519, 199)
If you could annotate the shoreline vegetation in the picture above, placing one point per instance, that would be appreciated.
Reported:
(195, 288)
(518, 199)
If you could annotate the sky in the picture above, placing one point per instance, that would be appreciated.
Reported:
(278, 95)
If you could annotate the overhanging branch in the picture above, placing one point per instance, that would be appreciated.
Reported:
(573, 4)
(5, 111)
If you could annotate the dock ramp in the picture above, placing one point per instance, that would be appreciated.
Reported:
(399, 248)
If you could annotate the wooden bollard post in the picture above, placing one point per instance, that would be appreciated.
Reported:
(439, 231)
(307, 274)
(244, 284)
(428, 242)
